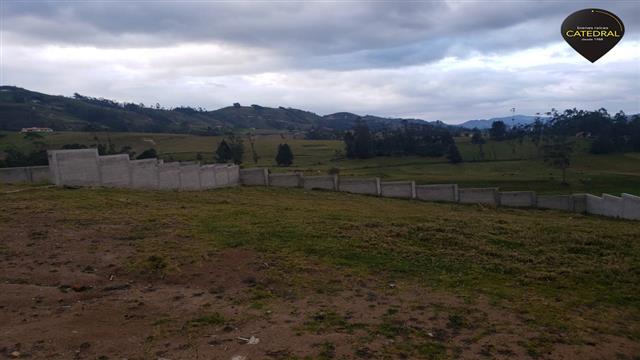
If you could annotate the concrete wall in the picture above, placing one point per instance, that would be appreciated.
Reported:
(254, 177)
(595, 205)
(207, 177)
(75, 167)
(233, 173)
(190, 177)
(285, 180)
(15, 175)
(630, 207)
(579, 203)
(83, 167)
(169, 176)
(518, 198)
(144, 173)
(440, 192)
(398, 189)
(40, 174)
(555, 202)
(612, 205)
(488, 196)
(359, 185)
(320, 182)
(114, 170)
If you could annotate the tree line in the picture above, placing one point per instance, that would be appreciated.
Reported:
(409, 139)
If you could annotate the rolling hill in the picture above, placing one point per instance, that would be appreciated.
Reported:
(21, 108)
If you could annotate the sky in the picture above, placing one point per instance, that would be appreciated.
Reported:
(437, 60)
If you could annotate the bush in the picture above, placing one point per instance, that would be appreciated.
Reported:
(148, 154)
(285, 156)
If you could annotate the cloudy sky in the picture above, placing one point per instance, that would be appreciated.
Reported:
(446, 60)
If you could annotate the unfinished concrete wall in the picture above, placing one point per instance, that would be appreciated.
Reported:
(233, 173)
(144, 173)
(630, 207)
(190, 177)
(114, 170)
(437, 192)
(555, 202)
(40, 174)
(594, 205)
(254, 177)
(75, 167)
(579, 203)
(328, 182)
(169, 176)
(207, 177)
(518, 198)
(398, 189)
(488, 196)
(222, 175)
(285, 180)
(15, 175)
(611, 205)
(369, 186)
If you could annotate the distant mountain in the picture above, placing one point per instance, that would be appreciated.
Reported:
(24, 108)
(486, 123)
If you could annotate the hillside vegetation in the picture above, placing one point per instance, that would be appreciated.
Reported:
(21, 108)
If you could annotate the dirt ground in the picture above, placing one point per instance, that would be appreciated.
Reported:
(69, 293)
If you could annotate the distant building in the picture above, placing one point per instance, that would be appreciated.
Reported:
(35, 129)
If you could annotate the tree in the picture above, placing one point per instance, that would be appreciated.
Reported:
(349, 145)
(477, 139)
(362, 140)
(223, 153)
(498, 130)
(230, 149)
(285, 156)
(557, 153)
(453, 154)
(148, 154)
(237, 148)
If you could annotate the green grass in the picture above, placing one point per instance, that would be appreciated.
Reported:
(501, 166)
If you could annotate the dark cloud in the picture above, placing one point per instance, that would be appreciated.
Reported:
(347, 33)
(448, 60)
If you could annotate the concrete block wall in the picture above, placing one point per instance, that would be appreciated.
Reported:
(190, 177)
(285, 180)
(369, 186)
(254, 177)
(207, 177)
(329, 182)
(630, 207)
(169, 176)
(579, 203)
(144, 173)
(15, 175)
(75, 167)
(233, 174)
(438, 192)
(114, 170)
(84, 167)
(518, 198)
(487, 196)
(398, 189)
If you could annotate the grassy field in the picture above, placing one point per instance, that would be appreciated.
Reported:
(313, 275)
(509, 165)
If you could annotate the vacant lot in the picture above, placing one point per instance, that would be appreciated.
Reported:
(112, 274)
